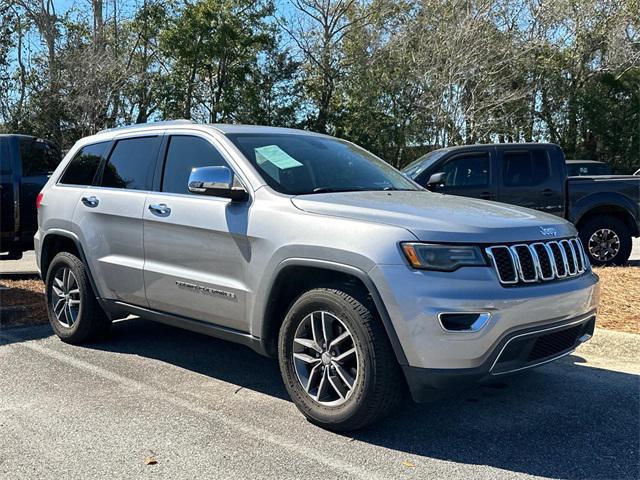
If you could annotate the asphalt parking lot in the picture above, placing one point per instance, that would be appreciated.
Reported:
(204, 408)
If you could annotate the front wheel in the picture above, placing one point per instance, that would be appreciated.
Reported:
(336, 360)
(607, 240)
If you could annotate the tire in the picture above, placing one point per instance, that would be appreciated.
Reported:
(378, 383)
(79, 318)
(608, 226)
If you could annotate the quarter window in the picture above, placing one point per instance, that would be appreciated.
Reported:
(467, 171)
(131, 164)
(184, 154)
(524, 169)
(84, 165)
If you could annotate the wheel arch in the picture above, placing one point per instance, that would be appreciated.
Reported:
(294, 276)
(57, 241)
(617, 211)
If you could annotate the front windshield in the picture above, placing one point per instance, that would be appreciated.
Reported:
(297, 164)
(418, 166)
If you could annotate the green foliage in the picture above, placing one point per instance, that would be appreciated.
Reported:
(399, 77)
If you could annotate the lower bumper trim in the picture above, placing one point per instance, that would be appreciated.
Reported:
(519, 351)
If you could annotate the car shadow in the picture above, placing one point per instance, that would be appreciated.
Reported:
(563, 420)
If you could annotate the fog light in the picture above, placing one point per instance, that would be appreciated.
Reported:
(463, 321)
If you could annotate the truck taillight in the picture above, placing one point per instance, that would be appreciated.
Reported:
(39, 200)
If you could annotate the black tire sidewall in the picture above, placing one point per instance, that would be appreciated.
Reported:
(80, 329)
(313, 301)
(615, 225)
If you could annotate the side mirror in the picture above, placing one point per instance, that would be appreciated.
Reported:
(436, 180)
(217, 182)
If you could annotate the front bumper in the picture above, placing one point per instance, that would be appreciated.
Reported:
(414, 299)
(516, 352)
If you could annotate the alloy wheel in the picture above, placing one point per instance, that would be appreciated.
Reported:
(325, 358)
(604, 244)
(65, 298)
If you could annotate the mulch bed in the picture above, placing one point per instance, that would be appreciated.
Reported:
(22, 303)
(620, 299)
(619, 305)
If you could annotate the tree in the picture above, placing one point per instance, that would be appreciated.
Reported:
(211, 47)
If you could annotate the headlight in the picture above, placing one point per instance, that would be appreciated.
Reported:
(444, 258)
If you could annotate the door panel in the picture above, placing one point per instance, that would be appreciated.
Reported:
(196, 246)
(109, 218)
(196, 258)
(530, 179)
(111, 233)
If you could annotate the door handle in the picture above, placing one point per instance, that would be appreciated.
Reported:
(90, 201)
(486, 195)
(160, 209)
(547, 192)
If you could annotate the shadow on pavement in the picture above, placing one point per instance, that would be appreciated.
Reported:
(563, 420)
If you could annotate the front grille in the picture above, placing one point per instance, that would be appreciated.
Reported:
(538, 262)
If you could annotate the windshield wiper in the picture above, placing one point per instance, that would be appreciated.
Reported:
(334, 190)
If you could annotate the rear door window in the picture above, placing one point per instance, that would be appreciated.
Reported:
(524, 169)
(83, 166)
(131, 164)
(38, 157)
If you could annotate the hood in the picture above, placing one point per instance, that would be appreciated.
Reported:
(440, 218)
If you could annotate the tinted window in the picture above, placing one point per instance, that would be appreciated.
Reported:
(300, 164)
(38, 157)
(5, 163)
(522, 169)
(185, 153)
(83, 167)
(131, 164)
(577, 169)
(467, 171)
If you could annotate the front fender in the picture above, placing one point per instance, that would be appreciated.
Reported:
(359, 272)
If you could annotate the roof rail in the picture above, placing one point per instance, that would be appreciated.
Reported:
(180, 121)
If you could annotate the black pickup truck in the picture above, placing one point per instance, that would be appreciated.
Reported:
(25, 165)
(605, 209)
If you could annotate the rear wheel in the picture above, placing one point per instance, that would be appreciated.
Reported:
(74, 312)
(336, 360)
(607, 240)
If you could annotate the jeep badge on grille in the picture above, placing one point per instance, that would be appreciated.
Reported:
(548, 231)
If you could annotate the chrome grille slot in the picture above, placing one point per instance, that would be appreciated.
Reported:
(502, 260)
(570, 254)
(538, 262)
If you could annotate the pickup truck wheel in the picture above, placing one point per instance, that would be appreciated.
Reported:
(336, 361)
(607, 241)
(74, 313)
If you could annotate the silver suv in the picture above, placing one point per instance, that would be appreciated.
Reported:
(310, 249)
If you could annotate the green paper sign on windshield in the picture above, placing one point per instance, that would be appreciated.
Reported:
(275, 155)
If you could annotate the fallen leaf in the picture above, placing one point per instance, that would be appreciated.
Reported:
(150, 461)
(409, 464)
